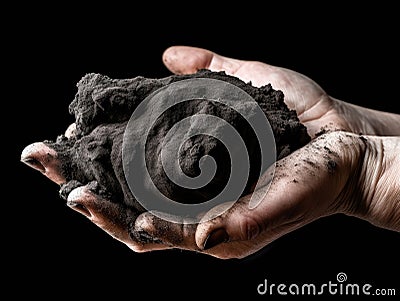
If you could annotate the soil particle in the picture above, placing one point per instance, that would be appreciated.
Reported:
(328, 149)
(311, 163)
(331, 165)
(330, 127)
(363, 138)
(102, 107)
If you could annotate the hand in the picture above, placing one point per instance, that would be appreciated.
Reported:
(338, 172)
(315, 109)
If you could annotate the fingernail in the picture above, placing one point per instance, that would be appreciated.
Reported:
(79, 207)
(215, 238)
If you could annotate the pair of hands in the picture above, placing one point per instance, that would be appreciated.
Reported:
(337, 172)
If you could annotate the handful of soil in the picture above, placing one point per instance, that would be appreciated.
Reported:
(103, 106)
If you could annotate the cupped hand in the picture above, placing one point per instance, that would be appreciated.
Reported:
(317, 110)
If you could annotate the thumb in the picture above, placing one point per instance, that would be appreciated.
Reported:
(186, 60)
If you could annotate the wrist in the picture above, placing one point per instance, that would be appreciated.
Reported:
(372, 192)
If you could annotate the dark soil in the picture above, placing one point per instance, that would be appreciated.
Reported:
(102, 107)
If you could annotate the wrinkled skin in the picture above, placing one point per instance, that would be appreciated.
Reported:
(339, 171)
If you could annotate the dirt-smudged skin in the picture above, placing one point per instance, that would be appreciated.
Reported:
(102, 107)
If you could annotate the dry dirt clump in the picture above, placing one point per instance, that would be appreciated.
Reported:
(103, 106)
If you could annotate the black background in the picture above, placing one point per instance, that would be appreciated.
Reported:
(52, 251)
